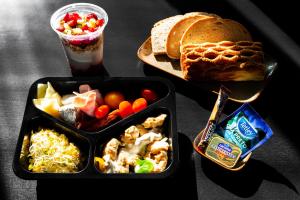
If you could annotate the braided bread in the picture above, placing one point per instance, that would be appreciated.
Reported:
(223, 61)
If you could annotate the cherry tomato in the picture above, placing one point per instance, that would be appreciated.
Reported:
(139, 104)
(113, 99)
(149, 95)
(101, 111)
(125, 109)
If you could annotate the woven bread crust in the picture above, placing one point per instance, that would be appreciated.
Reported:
(223, 61)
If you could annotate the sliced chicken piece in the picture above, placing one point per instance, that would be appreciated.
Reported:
(161, 161)
(127, 157)
(130, 135)
(153, 122)
(111, 148)
(158, 146)
(142, 129)
(148, 138)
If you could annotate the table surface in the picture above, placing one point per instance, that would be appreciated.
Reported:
(29, 50)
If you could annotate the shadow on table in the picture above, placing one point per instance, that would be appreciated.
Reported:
(169, 188)
(244, 183)
(198, 93)
(3, 189)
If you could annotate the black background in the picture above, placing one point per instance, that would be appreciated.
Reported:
(29, 50)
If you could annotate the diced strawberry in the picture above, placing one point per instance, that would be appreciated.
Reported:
(85, 27)
(75, 16)
(90, 16)
(72, 23)
(67, 17)
(100, 22)
(91, 29)
(61, 28)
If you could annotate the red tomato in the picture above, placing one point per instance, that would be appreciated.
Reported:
(125, 109)
(149, 95)
(139, 104)
(113, 99)
(101, 111)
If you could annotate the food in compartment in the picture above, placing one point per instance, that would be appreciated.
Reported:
(47, 151)
(142, 148)
(245, 128)
(113, 99)
(209, 47)
(149, 95)
(88, 109)
(48, 99)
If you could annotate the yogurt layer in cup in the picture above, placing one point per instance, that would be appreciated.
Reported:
(81, 37)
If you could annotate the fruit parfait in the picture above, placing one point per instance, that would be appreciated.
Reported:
(80, 27)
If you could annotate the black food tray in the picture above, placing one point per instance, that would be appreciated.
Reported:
(90, 143)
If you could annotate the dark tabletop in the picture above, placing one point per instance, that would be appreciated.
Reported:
(30, 50)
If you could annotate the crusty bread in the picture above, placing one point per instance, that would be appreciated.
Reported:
(214, 30)
(178, 29)
(159, 34)
(223, 61)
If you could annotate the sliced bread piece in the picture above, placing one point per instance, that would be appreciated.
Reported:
(176, 32)
(160, 32)
(215, 30)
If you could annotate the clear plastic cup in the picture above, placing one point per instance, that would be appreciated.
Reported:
(84, 52)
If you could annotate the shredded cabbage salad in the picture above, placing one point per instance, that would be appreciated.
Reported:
(52, 152)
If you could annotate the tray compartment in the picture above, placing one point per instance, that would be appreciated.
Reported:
(21, 166)
(169, 131)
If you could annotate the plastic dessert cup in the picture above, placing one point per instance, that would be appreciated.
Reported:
(84, 52)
